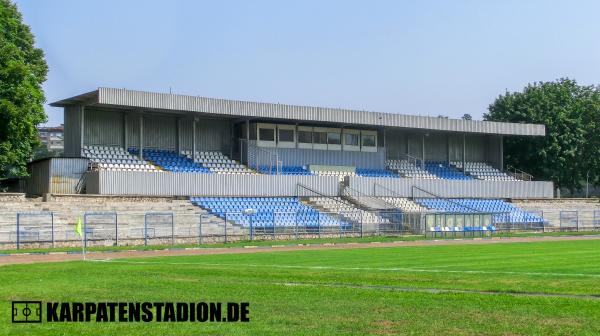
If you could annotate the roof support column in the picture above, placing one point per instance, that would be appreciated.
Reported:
(178, 135)
(384, 148)
(231, 138)
(125, 135)
(296, 136)
(448, 149)
(82, 133)
(423, 151)
(141, 131)
(464, 152)
(247, 149)
(194, 139)
(501, 159)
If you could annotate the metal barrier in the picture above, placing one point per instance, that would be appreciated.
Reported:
(569, 220)
(100, 226)
(52, 229)
(160, 226)
(34, 227)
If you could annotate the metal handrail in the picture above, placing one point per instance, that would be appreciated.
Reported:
(273, 157)
(515, 172)
(412, 192)
(81, 183)
(361, 194)
(300, 185)
(375, 185)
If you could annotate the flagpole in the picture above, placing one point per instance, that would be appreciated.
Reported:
(81, 234)
(83, 245)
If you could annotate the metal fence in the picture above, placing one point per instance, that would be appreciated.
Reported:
(55, 229)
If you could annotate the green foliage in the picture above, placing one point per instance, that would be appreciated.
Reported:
(22, 72)
(467, 116)
(571, 147)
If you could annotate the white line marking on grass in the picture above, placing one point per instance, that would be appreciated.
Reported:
(434, 290)
(334, 268)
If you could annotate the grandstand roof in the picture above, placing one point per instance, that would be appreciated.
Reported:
(165, 102)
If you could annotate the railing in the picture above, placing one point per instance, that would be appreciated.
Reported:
(255, 154)
(81, 184)
(518, 174)
(412, 159)
(436, 196)
(120, 228)
(362, 198)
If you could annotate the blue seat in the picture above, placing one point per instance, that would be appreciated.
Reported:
(170, 160)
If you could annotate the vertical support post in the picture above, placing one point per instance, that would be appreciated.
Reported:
(296, 136)
(448, 149)
(125, 135)
(200, 230)
(225, 227)
(231, 138)
(172, 229)
(82, 133)
(18, 230)
(319, 225)
(501, 159)
(116, 229)
(361, 225)
(340, 227)
(384, 147)
(248, 144)
(296, 220)
(464, 151)
(274, 217)
(251, 219)
(141, 134)
(423, 151)
(52, 228)
(178, 135)
(194, 140)
(543, 222)
(146, 229)
(85, 231)
(242, 152)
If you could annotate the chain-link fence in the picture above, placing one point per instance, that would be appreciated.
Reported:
(55, 229)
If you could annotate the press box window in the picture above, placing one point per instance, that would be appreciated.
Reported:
(305, 137)
(320, 138)
(266, 134)
(334, 138)
(351, 139)
(286, 135)
(368, 141)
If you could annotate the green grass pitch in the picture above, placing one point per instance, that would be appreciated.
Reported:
(541, 288)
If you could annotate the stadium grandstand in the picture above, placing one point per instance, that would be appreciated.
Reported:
(275, 166)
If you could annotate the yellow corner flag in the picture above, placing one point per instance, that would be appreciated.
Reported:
(78, 230)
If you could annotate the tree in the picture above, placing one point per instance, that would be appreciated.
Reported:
(571, 147)
(467, 116)
(22, 72)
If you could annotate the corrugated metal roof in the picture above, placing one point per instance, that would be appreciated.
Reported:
(173, 102)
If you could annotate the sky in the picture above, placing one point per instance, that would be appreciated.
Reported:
(411, 57)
